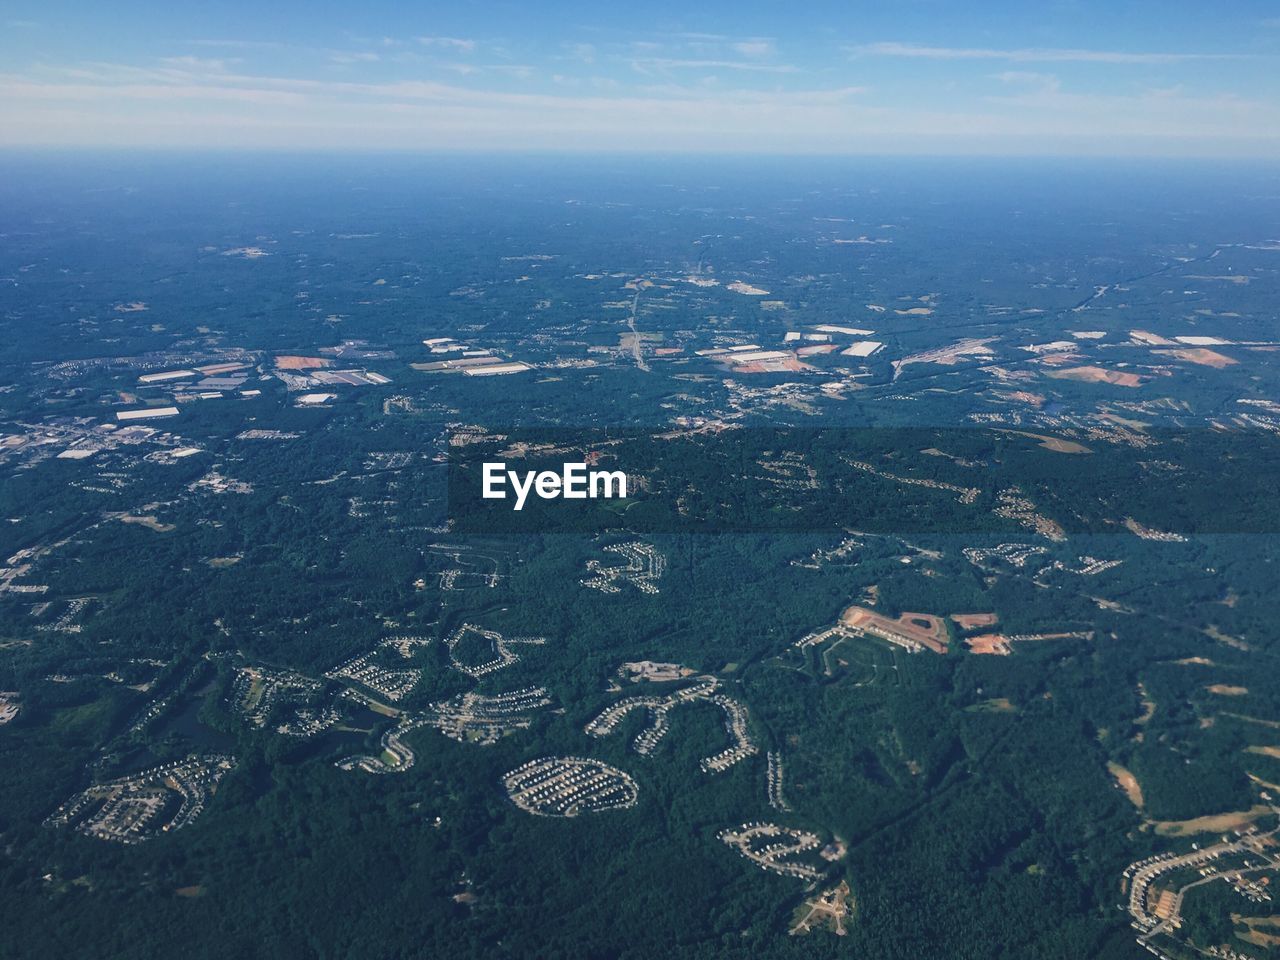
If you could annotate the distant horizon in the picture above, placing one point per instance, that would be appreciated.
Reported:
(929, 79)
(158, 151)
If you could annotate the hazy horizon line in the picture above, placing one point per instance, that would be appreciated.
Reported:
(1269, 158)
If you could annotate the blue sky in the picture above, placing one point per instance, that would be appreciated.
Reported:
(1089, 78)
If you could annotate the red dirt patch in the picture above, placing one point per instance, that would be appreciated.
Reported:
(1097, 375)
(910, 629)
(790, 365)
(1206, 358)
(1227, 690)
(288, 362)
(992, 643)
(970, 621)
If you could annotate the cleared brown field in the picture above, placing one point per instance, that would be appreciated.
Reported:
(989, 643)
(1097, 375)
(1217, 823)
(1226, 690)
(1056, 444)
(1136, 425)
(150, 522)
(1271, 724)
(1024, 396)
(1148, 705)
(1206, 358)
(994, 705)
(1265, 784)
(1235, 643)
(969, 621)
(1128, 783)
(1263, 931)
(789, 365)
(1058, 359)
(290, 362)
(922, 629)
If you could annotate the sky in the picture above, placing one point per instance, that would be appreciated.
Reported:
(1010, 77)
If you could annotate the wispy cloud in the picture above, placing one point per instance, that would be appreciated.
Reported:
(672, 63)
(207, 64)
(1045, 81)
(454, 43)
(240, 44)
(633, 90)
(1031, 54)
(354, 56)
(117, 93)
(582, 52)
(294, 113)
(753, 48)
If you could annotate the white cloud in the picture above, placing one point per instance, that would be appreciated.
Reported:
(241, 44)
(517, 70)
(191, 101)
(1044, 80)
(584, 52)
(1030, 54)
(671, 63)
(1155, 114)
(454, 43)
(206, 64)
(753, 48)
(121, 93)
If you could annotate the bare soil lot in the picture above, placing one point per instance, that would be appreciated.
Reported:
(1205, 358)
(1097, 375)
(1128, 783)
(922, 628)
(1218, 823)
(288, 362)
(970, 621)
